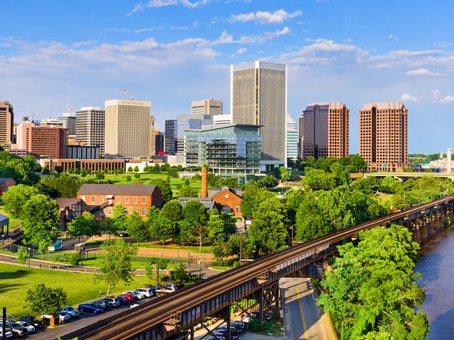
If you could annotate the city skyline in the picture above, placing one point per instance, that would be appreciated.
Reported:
(172, 52)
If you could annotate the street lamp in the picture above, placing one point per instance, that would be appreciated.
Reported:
(3, 239)
(200, 268)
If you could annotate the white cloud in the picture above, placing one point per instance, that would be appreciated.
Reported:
(262, 17)
(447, 99)
(241, 50)
(163, 3)
(406, 97)
(421, 72)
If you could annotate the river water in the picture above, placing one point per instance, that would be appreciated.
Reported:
(436, 264)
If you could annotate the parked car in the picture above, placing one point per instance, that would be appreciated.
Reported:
(129, 296)
(30, 328)
(74, 313)
(33, 321)
(100, 302)
(63, 316)
(111, 302)
(90, 308)
(137, 295)
(122, 300)
(8, 334)
(17, 329)
(57, 245)
(147, 292)
(167, 289)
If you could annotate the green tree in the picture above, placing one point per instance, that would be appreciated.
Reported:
(215, 225)
(268, 231)
(196, 216)
(84, 225)
(137, 228)
(285, 173)
(119, 218)
(318, 179)
(164, 186)
(60, 186)
(45, 300)
(187, 191)
(163, 229)
(372, 292)
(22, 255)
(41, 221)
(172, 210)
(115, 262)
(253, 195)
(15, 198)
(179, 273)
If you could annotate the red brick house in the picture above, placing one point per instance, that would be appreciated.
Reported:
(227, 199)
(70, 208)
(5, 183)
(137, 197)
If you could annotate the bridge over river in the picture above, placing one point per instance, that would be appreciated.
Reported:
(174, 316)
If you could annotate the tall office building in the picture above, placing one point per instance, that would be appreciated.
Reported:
(90, 127)
(127, 129)
(259, 97)
(154, 132)
(50, 142)
(292, 138)
(207, 107)
(170, 136)
(383, 136)
(300, 136)
(325, 130)
(6, 123)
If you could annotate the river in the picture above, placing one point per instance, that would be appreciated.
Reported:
(436, 264)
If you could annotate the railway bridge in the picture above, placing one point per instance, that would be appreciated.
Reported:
(175, 315)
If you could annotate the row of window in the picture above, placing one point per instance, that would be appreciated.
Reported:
(118, 200)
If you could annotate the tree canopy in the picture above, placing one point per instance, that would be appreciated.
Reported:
(115, 262)
(45, 300)
(371, 292)
(41, 221)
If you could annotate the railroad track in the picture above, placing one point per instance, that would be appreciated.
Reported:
(135, 321)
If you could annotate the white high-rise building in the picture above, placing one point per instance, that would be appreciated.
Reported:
(259, 97)
(127, 128)
(90, 127)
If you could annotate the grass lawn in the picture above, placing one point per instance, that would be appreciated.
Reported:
(16, 280)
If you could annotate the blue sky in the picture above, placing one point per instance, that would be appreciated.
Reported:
(58, 55)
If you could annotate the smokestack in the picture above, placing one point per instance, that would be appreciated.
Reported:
(448, 161)
(204, 189)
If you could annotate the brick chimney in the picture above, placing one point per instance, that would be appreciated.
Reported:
(204, 189)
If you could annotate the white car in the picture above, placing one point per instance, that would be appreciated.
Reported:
(71, 311)
(30, 328)
(147, 292)
(137, 295)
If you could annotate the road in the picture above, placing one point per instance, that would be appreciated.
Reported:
(303, 318)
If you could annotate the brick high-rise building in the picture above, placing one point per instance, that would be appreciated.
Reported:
(383, 136)
(325, 130)
(6, 123)
(48, 142)
(259, 97)
(127, 132)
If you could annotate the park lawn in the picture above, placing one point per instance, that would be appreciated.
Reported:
(16, 280)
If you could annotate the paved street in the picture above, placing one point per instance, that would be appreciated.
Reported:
(303, 318)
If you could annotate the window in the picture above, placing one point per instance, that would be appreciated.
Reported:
(126, 200)
(101, 199)
(144, 211)
(109, 212)
(144, 200)
(118, 199)
(92, 199)
(135, 199)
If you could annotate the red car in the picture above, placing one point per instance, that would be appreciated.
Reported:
(128, 296)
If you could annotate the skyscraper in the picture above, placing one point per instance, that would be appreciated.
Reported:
(383, 135)
(292, 139)
(90, 127)
(207, 107)
(127, 129)
(6, 123)
(259, 97)
(325, 130)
